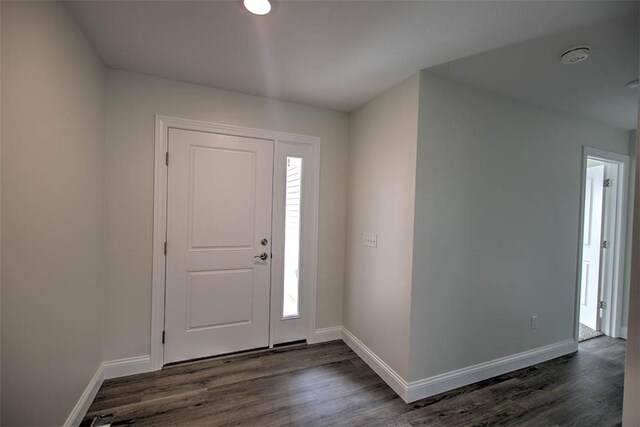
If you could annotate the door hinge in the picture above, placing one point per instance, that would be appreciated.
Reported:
(165, 248)
(605, 244)
(166, 158)
(608, 182)
(163, 337)
(603, 305)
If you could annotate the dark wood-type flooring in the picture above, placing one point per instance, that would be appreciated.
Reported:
(327, 384)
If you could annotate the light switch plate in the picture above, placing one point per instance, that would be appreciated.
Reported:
(370, 239)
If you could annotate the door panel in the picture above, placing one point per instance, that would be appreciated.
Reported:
(218, 211)
(232, 206)
(592, 238)
(219, 298)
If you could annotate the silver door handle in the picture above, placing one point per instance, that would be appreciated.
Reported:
(263, 256)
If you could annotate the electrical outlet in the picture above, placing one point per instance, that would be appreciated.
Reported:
(534, 322)
(370, 239)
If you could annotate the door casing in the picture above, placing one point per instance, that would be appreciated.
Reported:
(309, 253)
(612, 315)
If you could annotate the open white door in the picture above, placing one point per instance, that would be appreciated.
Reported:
(218, 224)
(592, 238)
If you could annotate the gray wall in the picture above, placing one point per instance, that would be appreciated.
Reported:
(382, 171)
(53, 94)
(496, 225)
(133, 100)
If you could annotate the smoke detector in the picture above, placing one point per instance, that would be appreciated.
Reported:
(575, 55)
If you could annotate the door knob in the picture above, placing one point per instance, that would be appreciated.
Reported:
(263, 256)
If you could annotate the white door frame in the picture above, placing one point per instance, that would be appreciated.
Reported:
(163, 124)
(613, 312)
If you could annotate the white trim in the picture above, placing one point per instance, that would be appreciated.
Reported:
(482, 371)
(163, 123)
(416, 390)
(327, 334)
(159, 237)
(391, 377)
(129, 366)
(106, 370)
(614, 312)
(613, 290)
(82, 406)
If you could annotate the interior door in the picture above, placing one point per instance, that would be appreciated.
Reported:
(218, 226)
(592, 237)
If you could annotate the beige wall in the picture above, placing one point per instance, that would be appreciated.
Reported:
(496, 230)
(382, 161)
(133, 100)
(53, 94)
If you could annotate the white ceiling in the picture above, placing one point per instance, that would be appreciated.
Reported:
(531, 71)
(332, 54)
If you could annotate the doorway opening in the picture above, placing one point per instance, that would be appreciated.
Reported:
(603, 244)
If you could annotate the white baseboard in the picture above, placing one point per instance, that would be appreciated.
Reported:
(129, 366)
(391, 377)
(623, 332)
(77, 414)
(327, 334)
(451, 380)
(416, 390)
(106, 370)
(409, 392)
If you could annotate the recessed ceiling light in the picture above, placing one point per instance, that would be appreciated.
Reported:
(632, 84)
(575, 54)
(258, 7)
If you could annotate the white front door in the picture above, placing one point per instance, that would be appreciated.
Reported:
(592, 238)
(218, 222)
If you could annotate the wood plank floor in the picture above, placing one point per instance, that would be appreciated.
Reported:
(327, 384)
